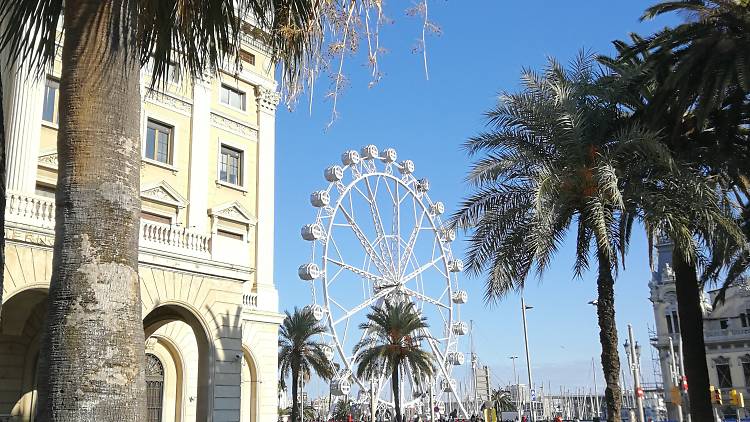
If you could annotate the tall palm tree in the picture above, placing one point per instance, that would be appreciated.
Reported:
(503, 401)
(2, 193)
(91, 360)
(710, 69)
(300, 353)
(395, 332)
(689, 200)
(555, 158)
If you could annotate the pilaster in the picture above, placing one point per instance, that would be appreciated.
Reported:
(23, 93)
(200, 127)
(267, 100)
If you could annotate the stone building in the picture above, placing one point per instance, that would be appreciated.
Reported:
(726, 331)
(209, 303)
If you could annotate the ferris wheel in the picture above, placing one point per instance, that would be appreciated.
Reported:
(379, 237)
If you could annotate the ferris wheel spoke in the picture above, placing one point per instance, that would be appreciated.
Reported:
(423, 297)
(396, 216)
(421, 269)
(360, 272)
(382, 293)
(378, 223)
(376, 259)
(410, 245)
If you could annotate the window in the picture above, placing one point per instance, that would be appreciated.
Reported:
(172, 71)
(46, 191)
(670, 329)
(724, 375)
(247, 57)
(159, 142)
(154, 388)
(743, 320)
(51, 90)
(676, 322)
(724, 323)
(232, 97)
(231, 235)
(155, 217)
(746, 371)
(230, 166)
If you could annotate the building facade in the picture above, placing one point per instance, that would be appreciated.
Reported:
(209, 302)
(726, 331)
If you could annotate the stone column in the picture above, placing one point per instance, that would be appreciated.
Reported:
(199, 153)
(268, 99)
(23, 97)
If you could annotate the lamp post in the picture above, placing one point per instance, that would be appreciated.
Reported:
(675, 377)
(525, 307)
(518, 392)
(633, 351)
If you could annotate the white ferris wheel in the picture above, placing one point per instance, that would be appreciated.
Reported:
(378, 236)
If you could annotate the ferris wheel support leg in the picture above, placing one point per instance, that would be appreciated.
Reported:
(445, 374)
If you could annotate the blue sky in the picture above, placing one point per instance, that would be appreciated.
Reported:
(483, 47)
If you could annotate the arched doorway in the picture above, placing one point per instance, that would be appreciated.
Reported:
(165, 314)
(248, 388)
(154, 388)
(22, 319)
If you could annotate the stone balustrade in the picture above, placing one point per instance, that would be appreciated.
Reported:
(250, 301)
(32, 210)
(39, 212)
(173, 238)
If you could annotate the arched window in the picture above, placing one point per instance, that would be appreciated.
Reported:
(154, 387)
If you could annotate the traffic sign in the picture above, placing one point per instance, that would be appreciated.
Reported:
(533, 394)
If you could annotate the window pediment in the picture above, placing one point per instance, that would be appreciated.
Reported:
(48, 160)
(233, 211)
(163, 193)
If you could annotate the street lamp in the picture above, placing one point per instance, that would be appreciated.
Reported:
(524, 308)
(518, 392)
(633, 352)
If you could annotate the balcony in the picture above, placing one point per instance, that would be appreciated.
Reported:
(30, 210)
(38, 213)
(174, 239)
(729, 334)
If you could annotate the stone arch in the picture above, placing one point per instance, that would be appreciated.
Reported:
(250, 383)
(22, 319)
(168, 312)
(174, 400)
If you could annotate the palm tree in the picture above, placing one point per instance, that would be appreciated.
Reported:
(2, 193)
(395, 332)
(300, 354)
(556, 156)
(688, 200)
(342, 409)
(710, 69)
(503, 401)
(93, 338)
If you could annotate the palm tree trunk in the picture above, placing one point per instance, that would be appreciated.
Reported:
(608, 338)
(693, 345)
(295, 393)
(2, 193)
(396, 392)
(92, 356)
